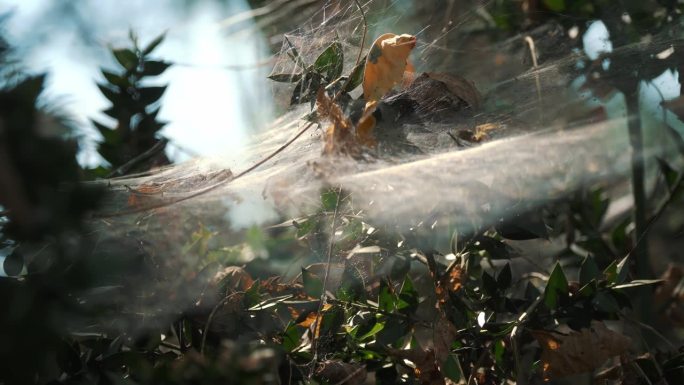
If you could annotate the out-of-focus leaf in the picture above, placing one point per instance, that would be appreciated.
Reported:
(669, 174)
(112, 95)
(13, 264)
(329, 199)
(555, 5)
(126, 57)
(154, 67)
(115, 79)
(285, 78)
(153, 44)
(313, 286)
(588, 270)
(149, 95)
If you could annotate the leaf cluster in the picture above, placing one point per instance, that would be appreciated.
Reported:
(134, 108)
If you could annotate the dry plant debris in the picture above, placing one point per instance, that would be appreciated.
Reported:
(387, 64)
(579, 352)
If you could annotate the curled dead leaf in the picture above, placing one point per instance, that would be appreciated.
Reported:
(233, 278)
(343, 136)
(386, 64)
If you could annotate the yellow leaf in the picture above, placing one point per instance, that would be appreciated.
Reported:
(386, 64)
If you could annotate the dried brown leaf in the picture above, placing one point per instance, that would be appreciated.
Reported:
(338, 372)
(386, 64)
(579, 352)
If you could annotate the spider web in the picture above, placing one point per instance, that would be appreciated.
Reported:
(543, 146)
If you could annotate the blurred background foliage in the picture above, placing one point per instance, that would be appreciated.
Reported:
(55, 326)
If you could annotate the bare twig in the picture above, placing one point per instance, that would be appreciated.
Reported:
(211, 318)
(154, 150)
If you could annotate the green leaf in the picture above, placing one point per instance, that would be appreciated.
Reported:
(356, 76)
(154, 67)
(386, 300)
(115, 79)
(504, 278)
(108, 134)
(555, 5)
(588, 290)
(285, 78)
(153, 44)
(622, 270)
(610, 272)
(452, 369)
(127, 58)
(305, 228)
(112, 95)
(377, 327)
(329, 199)
(291, 337)
(330, 62)
(499, 350)
(313, 286)
(408, 297)
(668, 172)
(150, 95)
(557, 286)
(588, 271)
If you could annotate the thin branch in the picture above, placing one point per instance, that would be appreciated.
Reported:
(154, 150)
(211, 318)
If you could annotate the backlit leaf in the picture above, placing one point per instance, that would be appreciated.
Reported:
(330, 62)
(127, 58)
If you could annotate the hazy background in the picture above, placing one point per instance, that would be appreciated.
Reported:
(216, 92)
